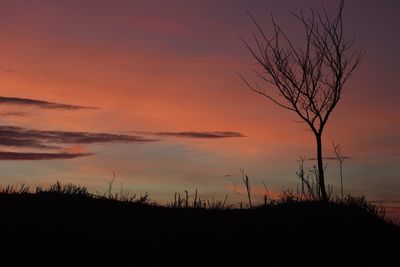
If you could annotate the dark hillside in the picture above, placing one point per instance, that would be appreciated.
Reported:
(79, 230)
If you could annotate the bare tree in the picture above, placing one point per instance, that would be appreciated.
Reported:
(337, 149)
(308, 80)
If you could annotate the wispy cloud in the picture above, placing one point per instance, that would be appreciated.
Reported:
(39, 103)
(210, 135)
(22, 137)
(40, 156)
(12, 136)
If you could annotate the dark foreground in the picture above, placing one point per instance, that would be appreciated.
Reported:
(60, 230)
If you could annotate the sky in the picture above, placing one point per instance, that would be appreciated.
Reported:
(149, 90)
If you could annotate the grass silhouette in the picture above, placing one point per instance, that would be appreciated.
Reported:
(65, 225)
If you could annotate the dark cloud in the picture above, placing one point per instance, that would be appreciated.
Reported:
(24, 142)
(209, 135)
(13, 136)
(39, 103)
(22, 137)
(40, 156)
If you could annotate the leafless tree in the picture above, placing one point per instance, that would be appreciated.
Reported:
(307, 80)
(337, 149)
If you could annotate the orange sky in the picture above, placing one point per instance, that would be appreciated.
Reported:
(157, 67)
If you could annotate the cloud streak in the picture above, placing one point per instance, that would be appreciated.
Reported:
(22, 137)
(205, 135)
(12, 136)
(40, 103)
(40, 156)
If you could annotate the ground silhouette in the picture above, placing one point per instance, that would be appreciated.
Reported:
(74, 228)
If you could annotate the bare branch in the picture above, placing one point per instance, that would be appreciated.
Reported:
(263, 93)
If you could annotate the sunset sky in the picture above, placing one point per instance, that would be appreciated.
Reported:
(149, 90)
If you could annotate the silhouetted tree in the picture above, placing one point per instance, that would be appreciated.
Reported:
(337, 149)
(309, 80)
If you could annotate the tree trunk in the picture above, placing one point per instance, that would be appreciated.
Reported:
(321, 178)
